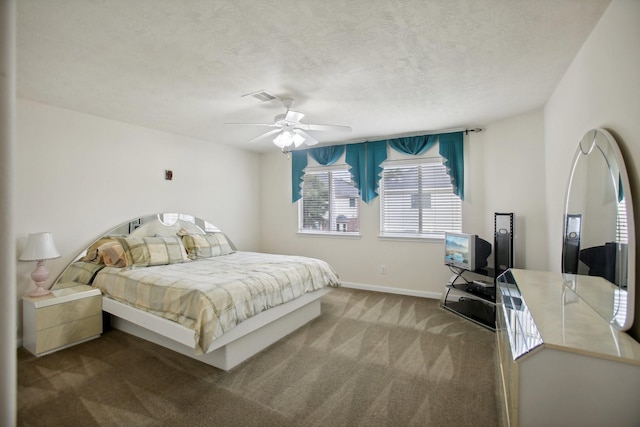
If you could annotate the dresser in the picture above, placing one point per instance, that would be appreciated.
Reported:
(63, 318)
(561, 364)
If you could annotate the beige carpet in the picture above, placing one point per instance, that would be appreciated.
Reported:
(371, 359)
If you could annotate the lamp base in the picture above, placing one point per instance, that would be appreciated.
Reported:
(40, 292)
(40, 275)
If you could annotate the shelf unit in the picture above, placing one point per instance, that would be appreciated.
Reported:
(467, 299)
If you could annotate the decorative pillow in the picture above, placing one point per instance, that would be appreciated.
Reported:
(113, 254)
(207, 245)
(183, 232)
(79, 272)
(93, 254)
(149, 251)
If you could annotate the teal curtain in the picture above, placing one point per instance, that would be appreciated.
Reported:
(413, 145)
(365, 160)
(298, 163)
(620, 189)
(451, 150)
(326, 155)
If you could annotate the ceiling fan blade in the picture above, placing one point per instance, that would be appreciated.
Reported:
(293, 116)
(335, 128)
(264, 135)
(308, 139)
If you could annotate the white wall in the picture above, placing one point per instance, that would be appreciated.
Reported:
(79, 175)
(414, 266)
(514, 174)
(417, 267)
(600, 89)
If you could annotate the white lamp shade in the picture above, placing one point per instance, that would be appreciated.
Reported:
(39, 246)
(297, 139)
(288, 137)
(284, 139)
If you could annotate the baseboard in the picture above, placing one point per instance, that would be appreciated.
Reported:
(389, 290)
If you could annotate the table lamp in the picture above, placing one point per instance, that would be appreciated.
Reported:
(39, 248)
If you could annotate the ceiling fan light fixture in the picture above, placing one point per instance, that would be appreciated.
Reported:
(297, 139)
(289, 130)
(287, 138)
(279, 141)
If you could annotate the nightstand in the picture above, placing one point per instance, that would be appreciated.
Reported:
(61, 319)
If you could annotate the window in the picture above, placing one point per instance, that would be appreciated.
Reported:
(328, 203)
(622, 232)
(417, 199)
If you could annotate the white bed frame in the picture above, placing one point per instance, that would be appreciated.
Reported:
(246, 339)
(234, 347)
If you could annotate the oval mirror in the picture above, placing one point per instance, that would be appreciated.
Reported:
(598, 254)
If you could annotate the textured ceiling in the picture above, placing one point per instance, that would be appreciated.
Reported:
(385, 68)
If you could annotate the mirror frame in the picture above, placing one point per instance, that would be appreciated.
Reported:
(593, 290)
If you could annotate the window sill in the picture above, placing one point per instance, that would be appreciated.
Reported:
(410, 237)
(339, 235)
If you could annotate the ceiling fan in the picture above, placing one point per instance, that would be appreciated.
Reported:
(289, 131)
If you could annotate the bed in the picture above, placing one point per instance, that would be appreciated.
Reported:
(180, 282)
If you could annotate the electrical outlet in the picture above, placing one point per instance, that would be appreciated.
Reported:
(383, 269)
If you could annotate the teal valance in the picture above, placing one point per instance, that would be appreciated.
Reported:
(414, 145)
(326, 155)
(365, 160)
(450, 149)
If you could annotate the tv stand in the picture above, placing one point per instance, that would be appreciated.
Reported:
(473, 301)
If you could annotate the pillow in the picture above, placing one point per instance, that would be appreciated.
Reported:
(93, 254)
(183, 232)
(207, 245)
(150, 251)
(79, 272)
(113, 254)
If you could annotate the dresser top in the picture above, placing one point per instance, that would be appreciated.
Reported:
(567, 322)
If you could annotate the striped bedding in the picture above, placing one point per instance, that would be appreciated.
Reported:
(212, 295)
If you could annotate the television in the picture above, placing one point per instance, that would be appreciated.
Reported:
(465, 251)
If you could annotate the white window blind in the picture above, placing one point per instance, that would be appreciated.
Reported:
(622, 232)
(417, 200)
(329, 202)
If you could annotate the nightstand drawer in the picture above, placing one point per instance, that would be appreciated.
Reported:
(54, 315)
(68, 333)
(60, 319)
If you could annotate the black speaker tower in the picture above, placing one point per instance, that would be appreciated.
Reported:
(571, 243)
(503, 242)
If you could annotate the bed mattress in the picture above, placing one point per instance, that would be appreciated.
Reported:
(212, 295)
